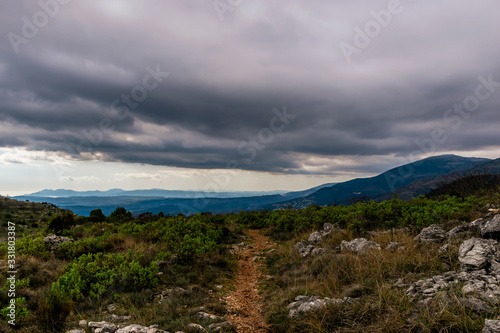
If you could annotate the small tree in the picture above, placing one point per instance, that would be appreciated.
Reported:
(60, 222)
(120, 214)
(97, 216)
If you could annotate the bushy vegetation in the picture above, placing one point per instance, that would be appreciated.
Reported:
(128, 260)
(417, 213)
(96, 275)
(112, 260)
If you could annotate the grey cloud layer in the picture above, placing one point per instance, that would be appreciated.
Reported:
(227, 76)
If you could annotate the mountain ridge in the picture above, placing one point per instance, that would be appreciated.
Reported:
(407, 181)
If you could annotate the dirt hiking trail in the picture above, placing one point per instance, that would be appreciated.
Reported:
(244, 302)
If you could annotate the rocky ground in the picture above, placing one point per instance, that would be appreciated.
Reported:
(478, 278)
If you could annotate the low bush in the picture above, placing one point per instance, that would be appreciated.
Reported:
(99, 275)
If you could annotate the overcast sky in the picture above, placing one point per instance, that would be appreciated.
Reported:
(246, 95)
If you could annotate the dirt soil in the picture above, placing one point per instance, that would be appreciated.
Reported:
(244, 302)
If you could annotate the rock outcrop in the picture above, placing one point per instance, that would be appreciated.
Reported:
(491, 326)
(359, 246)
(477, 253)
(309, 247)
(490, 228)
(303, 304)
(220, 325)
(53, 241)
(480, 276)
(433, 234)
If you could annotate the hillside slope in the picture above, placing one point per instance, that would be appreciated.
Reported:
(427, 171)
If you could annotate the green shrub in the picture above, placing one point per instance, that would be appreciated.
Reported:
(96, 275)
(61, 222)
(32, 246)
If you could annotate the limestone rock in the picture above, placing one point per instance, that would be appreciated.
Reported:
(458, 231)
(328, 227)
(315, 237)
(208, 316)
(303, 304)
(476, 223)
(53, 241)
(491, 326)
(134, 328)
(444, 249)
(476, 253)
(304, 248)
(358, 245)
(433, 234)
(196, 327)
(220, 327)
(103, 326)
(118, 319)
(478, 305)
(491, 228)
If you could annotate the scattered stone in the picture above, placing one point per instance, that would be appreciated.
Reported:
(303, 304)
(208, 316)
(134, 328)
(476, 223)
(477, 305)
(238, 247)
(328, 227)
(491, 228)
(111, 307)
(53, 241)
(458, 231)
(196, 327)
(476, 253)
(491, 326)
(118, 319)
(444, 249)
(358, 245)
(220, 327)
(304, 248)
(98, 324)
(76, 331)
(155, 330)
(400, 283)
(315, 237)
(433, 234)
(168, 292)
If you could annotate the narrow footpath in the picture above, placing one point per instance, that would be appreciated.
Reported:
(244, 302)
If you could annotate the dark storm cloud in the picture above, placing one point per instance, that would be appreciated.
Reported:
(226, 77)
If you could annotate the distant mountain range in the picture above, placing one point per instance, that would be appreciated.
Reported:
(155, 192)
(407, 181)
(157, 200)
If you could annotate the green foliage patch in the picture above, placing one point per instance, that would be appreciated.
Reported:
(95, 275)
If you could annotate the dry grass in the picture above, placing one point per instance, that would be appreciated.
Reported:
(381, 307)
